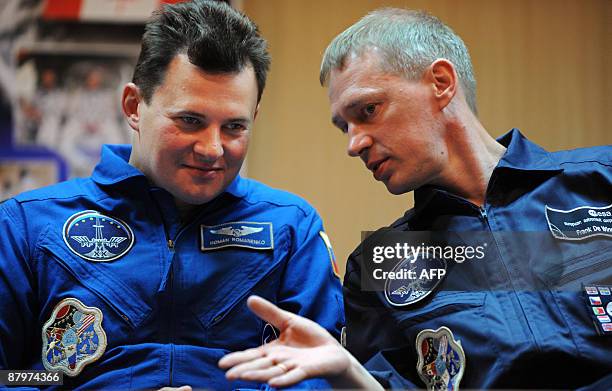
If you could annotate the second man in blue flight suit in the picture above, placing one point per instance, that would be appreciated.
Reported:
(137, 277)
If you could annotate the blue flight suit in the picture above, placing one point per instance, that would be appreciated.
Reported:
(148, 302)
(521, 314)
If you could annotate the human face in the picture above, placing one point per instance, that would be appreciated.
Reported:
(393, 124)
(193, 135)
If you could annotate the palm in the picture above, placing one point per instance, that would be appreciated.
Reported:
(303, 350)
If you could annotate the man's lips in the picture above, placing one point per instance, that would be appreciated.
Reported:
(204, 172)
(377, 167)
(203, 168)
(373, 165)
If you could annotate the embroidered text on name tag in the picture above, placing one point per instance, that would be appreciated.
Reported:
(580, 223)
(248, 234)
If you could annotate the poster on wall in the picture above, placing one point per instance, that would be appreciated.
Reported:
(72, 107)
(21, 172)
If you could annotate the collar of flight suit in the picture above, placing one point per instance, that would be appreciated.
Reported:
(114, 168)
(522, 157)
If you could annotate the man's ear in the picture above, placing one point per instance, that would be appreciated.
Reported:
(130, 101)
(444, 81)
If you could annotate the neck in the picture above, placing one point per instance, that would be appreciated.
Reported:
(473, 155)
(185, 210)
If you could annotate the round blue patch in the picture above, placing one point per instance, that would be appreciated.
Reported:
(414, 280)
(97, 237)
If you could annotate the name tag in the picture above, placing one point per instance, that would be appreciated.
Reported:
(580, 223)
(247, 234)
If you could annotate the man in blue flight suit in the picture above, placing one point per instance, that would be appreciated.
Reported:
(518, 295)
(137, 277)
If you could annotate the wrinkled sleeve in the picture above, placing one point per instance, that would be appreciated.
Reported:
(372, 335)
(18, 320)
(309, 286)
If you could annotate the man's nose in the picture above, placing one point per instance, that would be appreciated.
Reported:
(359, 141)
(209, 145)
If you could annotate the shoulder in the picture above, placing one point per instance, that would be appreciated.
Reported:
(261, 193)
(62, 190)
(401, 224)
(600, 155)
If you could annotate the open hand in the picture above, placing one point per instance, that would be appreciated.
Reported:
(303, 350)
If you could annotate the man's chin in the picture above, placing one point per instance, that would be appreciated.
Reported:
(195, 199)
(396, 189)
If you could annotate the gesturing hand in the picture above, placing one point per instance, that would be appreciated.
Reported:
(303, 350)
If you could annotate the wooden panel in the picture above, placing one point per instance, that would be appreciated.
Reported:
(541, 66)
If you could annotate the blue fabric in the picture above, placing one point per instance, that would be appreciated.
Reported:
(520, 314)
(170, 312)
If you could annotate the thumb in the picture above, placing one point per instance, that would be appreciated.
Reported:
(269, 312)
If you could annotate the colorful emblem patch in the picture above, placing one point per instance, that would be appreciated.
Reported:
(599, 304)
(330, 252)
(414, 279)
(97, 237)
(441, 359)
(72, 337)
(248, 234)
(580, 223)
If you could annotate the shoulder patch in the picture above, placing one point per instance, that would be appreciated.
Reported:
(97, 237)
(72, 337)
(330, 252)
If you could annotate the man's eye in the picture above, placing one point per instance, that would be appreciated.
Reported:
(235, 127)
(188, 120)
(369, 109)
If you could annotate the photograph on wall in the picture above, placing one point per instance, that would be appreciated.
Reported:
(19, 174)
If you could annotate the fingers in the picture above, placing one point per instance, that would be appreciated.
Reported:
(292, 377)
(233, 359)
(264, 374)
(239, 370)
(269, 312)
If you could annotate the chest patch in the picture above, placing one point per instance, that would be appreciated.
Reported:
(441, 359)
(97, 237)
(413, 279)
(247, 234)
(580, 223)
(72, 337)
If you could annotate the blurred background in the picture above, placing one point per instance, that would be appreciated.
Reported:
(541, 66)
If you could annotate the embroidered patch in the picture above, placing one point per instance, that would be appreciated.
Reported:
(580, 223)
(599, 305)
(248, 234)
(330, 252)
(413, 279)
(441, 359)
(97, 237)
(72, 337)
(343, 337)
(269, 334)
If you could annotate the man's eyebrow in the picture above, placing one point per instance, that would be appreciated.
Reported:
(195, 113)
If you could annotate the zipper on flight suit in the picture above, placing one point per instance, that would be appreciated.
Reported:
(485, 218)
(171, 243)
